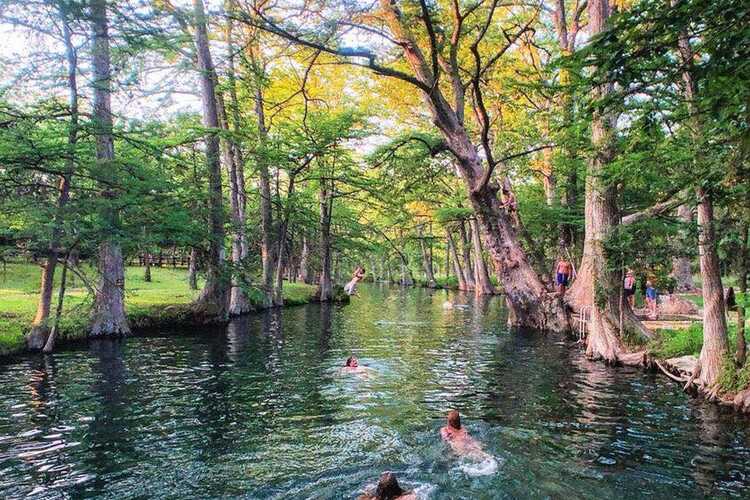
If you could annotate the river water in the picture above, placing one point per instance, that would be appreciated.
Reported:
(261, 410)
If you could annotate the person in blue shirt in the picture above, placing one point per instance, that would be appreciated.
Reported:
(651, 300)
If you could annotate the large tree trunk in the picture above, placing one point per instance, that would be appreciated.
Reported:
(481, 276)
(681, 267)
(715, 343)
(457, 270)
(108, 313)
(233, 160)
(466, 255)
(213, 299)
(597, 285)
(325, 285)
(530, 303)
(266, 208)
(37, 336)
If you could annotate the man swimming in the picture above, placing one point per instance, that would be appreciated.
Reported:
(388, 489)
(459, 440)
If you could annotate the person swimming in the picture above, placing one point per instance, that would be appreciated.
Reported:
(459, 440)
(352, 366)
(388, 489)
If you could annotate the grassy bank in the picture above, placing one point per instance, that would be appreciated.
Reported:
(160, 301)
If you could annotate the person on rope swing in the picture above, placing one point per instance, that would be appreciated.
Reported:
(629, 288)
(563, 273)
(357, 276)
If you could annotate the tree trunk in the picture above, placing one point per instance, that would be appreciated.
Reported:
(147, 265)
(108, 312)
(406, 277)
(213, 299)
(304, 266)
(266, 208)
(426, 262)
(39, 329)
(715, 342)
(325, 285)
(238, 302)
(193, 269)
(466, 255)
(597, 285)
(742, 288)
(49, 346)
(481, 276)
(458, 271)
(681, 267)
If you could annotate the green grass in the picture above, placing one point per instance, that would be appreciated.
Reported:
(686, 341)
(147, 303)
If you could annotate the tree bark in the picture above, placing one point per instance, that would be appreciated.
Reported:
(49, 346)
(304, 265)
(325, 285)
(743, 258)
(108, 312)
(426, 261)
(681, 266)
(213, 299)
(531, 305)
(483, 284)
(193, 269)
(597, 285)
(266, 208)
(466, 255)
(715, 342)
(147, 267)
(35, 339)
(457, 270)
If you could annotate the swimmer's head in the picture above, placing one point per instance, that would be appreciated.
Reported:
(351, 362)
(454, 419)
(388, 487)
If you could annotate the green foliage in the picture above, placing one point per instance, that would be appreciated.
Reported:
(675, 343)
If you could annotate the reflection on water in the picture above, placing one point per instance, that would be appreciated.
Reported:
(262, 410)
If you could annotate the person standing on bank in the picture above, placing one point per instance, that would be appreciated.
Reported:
(629, 288)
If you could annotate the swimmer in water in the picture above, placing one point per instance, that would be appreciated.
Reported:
(388, 489)
(352, 366)
(459, 440)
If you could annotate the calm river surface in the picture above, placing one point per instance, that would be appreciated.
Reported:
(261, 411)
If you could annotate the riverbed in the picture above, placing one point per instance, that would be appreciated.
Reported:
(261, 409)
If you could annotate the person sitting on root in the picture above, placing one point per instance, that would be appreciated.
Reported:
(388, 489)
(357, 276)
(651, 300)
(459, 440)
(563, 272)
(629, 288)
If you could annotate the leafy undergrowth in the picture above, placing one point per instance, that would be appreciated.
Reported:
(674, 343)
(733, 379)
(160, 302)
(686, 341)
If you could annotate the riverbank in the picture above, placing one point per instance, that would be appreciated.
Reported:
(161, 302)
